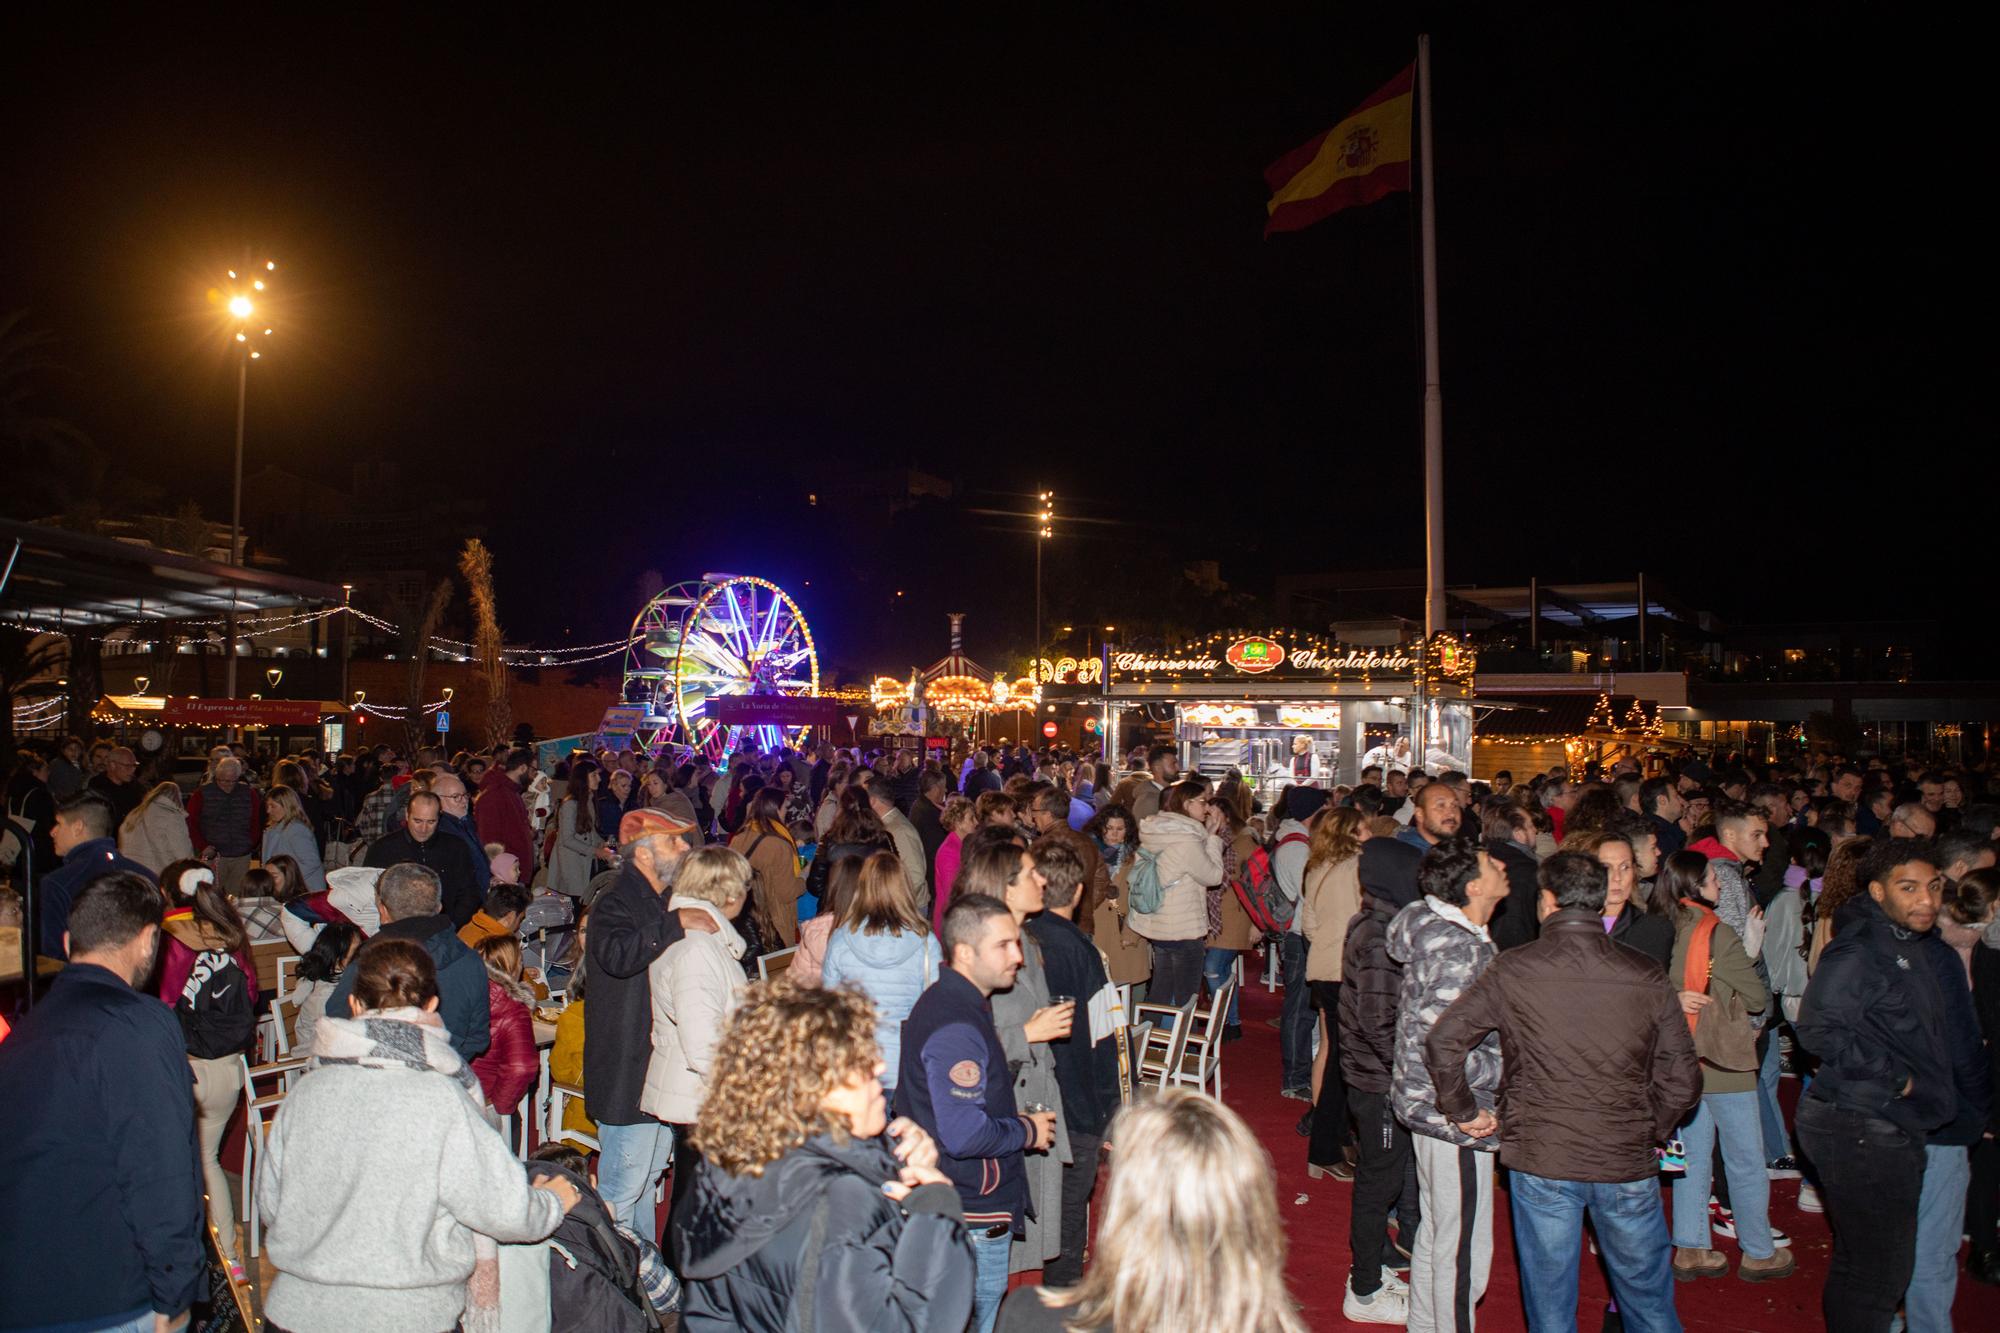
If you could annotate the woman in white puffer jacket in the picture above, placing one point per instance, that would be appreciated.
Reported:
(1186, 836)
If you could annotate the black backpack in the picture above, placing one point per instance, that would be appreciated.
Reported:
(215, 1009)
(594, 1284)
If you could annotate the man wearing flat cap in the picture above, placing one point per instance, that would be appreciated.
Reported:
(629, 927)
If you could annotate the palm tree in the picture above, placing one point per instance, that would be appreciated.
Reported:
(476, 564)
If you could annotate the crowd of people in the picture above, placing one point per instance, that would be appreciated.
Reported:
(836, 1006)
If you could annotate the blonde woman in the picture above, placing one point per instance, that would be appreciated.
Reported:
(695, 984)
(881, 945)
(288, 832)
(155, 834)
(1189, 1238)
(797, 1135)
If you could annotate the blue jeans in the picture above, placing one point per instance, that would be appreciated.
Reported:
(1296, 1022)
(1776, 1143)
(633, 1157)
(1734, 1114)
(989, 1258)
(1940, 1215)
(1631, 1237)
(1216, 968)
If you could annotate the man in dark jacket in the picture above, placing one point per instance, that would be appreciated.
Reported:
(100, 1204)
(630, 926)
(119, 784)
(956, 1085)
(926, 814)
(1941, 1208)
(1370, 982)
(1599, 1068)
(1510, 840)
(83, 838)
(455, 820)
(1878, 1021)
(406, 896)
(1660, 802)
(443, 855)
(1086, 1070)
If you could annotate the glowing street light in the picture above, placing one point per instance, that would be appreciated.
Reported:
(240, 308)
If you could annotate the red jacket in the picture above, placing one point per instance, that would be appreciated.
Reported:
(510, 1065)
(502, 816)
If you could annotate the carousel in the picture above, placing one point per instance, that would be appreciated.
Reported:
(948, 700)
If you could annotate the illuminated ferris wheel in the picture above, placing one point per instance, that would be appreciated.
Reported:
(720, 636)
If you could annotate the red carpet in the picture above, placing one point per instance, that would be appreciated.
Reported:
(1315, 1215)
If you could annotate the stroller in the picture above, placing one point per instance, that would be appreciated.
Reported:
(547, 930)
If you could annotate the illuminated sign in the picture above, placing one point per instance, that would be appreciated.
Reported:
(1255, 656)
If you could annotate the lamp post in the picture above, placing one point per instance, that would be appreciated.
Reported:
(1044, 529)
(241, 304)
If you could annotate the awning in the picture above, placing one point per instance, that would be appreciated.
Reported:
(63, 580)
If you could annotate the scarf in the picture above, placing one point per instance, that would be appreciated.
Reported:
(416, 1039)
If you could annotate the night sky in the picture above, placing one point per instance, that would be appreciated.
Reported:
(1704, 290)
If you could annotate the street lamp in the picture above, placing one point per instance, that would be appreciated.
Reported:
(241, 303)
(1044, 529)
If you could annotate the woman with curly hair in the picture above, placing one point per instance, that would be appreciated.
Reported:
(809, 1209)
(1189, 1238)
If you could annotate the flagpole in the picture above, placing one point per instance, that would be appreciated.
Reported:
(1434, 609)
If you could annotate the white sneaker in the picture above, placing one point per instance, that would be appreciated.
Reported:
(1386, 1306)
(1809, 1199)
(1393, 1281)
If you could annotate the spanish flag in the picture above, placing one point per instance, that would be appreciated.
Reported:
(1358, 161)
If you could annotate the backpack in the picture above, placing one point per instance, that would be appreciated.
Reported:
(1144, 892)
(594, 1278)
(1261, 894)
(215, 1010)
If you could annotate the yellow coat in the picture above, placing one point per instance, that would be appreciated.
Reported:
(566, 1066)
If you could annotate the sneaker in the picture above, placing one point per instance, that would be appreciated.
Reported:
(1298, 1094)
(1721, 1220)
(1779, 1265)
(1809, 1199)
(1779, 1238)
(1393, 1281)
(1383, 1306)
(1783, 1168)
(1692, 1264)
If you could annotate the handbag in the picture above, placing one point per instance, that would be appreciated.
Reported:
(1721, 1030)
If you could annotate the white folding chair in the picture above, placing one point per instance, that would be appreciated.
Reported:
(274, 1042)
(560, 1096)
(259, 1108)
(1160, 1056)
(1201, 1054)
(773, 965)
